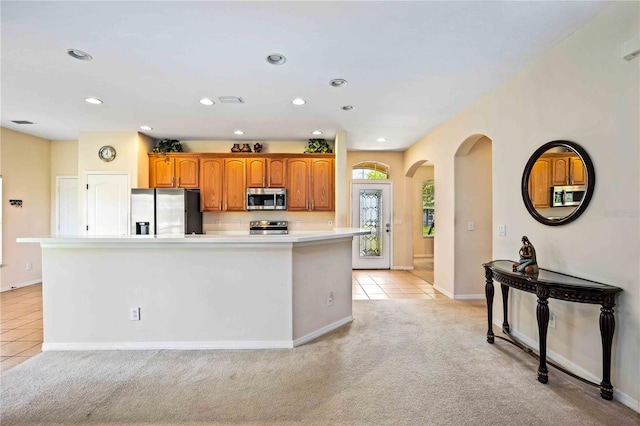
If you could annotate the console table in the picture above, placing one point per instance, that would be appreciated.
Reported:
(548, 284)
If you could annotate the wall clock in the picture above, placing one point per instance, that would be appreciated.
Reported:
(107, 153)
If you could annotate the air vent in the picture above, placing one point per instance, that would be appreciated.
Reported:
(22, 122)
(231, 100)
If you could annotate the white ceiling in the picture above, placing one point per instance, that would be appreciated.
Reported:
(409, 65)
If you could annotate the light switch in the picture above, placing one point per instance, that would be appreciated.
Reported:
(470, 226)
(502, 230)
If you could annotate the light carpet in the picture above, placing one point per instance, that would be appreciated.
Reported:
(401, 362)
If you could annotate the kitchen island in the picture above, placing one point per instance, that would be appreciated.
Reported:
(222, 291)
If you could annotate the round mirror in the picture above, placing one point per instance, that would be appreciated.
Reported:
(558, 182)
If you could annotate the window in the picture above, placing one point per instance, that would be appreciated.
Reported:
(370, 170)
(428, 209)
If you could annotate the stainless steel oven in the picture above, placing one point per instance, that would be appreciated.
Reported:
(567, 195)
(268, 227)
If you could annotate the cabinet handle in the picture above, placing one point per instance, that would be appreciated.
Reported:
(306, 205)
(313, 205)
(173, 179)
(178, 182)
(220, 205)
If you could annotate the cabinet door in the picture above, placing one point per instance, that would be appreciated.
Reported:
(539, 187)
(235, 184)
(322, 184)
(256, 171)
(211, 175)
(277, 173)
(560, 171)
(298, 184)
(186, 172)
(578, 175)
(161, 172)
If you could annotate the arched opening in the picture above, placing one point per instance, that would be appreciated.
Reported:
(423, 213)
(472, 215)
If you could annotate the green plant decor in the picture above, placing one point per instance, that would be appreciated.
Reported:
(318, 146)
(167, 145)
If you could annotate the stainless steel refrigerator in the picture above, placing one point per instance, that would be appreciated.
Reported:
(165, 211)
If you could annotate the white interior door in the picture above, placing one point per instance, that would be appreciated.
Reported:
(108, 198)
(67, 214)
(371, 209)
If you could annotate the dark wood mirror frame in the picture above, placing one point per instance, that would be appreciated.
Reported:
(590, 182)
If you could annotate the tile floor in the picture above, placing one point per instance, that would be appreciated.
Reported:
(20, 325)
(21, 309)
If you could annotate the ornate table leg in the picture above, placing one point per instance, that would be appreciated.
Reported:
(488, 290)
(505, 310)
(542, 313)
(607, 327)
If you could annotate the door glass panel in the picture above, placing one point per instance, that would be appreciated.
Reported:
(371, 218)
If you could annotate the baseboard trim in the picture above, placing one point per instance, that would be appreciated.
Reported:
(445, 292)
(324, 330)
(24, 284)
(618, 395)
(469, 297)
(111, 346)
(402, 268)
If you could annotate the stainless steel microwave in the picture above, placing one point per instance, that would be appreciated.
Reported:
(567, 195)
(266, 199)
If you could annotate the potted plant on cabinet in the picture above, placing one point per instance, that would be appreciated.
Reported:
(318, 146)
(167, 145)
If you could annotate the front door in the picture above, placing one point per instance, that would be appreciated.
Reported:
(371, 209)
(108, 197)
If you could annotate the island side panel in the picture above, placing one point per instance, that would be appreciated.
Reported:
(321, 268)
(188, 297)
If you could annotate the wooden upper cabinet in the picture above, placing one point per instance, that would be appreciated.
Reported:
(173, 171)
(310, 185)
(539, 183)
(186, 171)
(559, 171)
(211, 176)
(322, 188)
(161, 172)
(276, 172)
(256, 172)
(298, 171)
(578, 174)
(235, 184)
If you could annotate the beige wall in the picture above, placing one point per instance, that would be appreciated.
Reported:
(422, 246)
(581, 90)
(473, 201)
(402, 258)
(64, 162)
(145, 145)
(271, 147)
(26, 176)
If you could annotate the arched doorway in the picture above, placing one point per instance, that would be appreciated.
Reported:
(423, 231)
(473, 221)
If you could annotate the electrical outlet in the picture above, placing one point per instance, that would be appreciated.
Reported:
(470, 226)
(502, 230)
(29, 266)
(329, 222)
(217, 222)
(237, 222)
(134, 314)
(330, 299)
(552, 320)
(297, 223)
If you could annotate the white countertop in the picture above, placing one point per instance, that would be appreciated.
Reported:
(222, 237)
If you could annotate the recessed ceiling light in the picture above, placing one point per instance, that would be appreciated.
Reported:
(348, 107)
(94, 101)
(316, 132)
(79, 54)
(338, 82)
(146, 127)
(238, 132)
(206, 101)
(381, 140)
(276, 59)
(298, 101)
